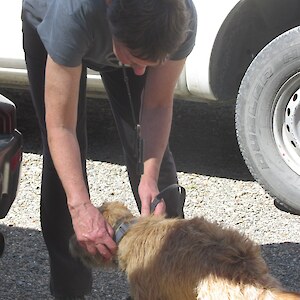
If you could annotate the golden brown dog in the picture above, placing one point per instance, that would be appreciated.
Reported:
(176, 259)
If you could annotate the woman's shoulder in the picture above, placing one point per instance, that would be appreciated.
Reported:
(39, 8)
(75, 6)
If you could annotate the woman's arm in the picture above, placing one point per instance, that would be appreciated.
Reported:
(61, 102)
(156, 119)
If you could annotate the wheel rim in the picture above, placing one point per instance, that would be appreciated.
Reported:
(286, 122)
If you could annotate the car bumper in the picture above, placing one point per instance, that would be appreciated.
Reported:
(10, 155)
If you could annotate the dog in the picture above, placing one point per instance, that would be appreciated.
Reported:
(180, 259)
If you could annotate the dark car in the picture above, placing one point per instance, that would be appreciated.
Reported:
(10, 158)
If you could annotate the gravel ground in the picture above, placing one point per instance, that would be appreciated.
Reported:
(209, 165)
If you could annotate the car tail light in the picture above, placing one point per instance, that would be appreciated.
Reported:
(7, 116)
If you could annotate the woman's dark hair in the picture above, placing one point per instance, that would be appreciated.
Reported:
(150, 29)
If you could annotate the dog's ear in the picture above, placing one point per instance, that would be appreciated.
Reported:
(103, 207)
(115, 211)
(89, 260)
(111, 207)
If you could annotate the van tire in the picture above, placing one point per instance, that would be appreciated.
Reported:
(266, 118)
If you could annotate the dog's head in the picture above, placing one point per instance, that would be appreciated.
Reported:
(114, 213)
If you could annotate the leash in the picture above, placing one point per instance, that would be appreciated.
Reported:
(122, 227)
(139, 140)
(164, 192)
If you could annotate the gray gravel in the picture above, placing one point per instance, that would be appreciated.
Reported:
(210, 167)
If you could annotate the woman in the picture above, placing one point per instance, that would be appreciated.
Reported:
(139, 47)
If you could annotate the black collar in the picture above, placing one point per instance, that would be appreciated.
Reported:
(121, 229)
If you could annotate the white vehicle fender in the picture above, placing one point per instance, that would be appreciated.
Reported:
(211, 15)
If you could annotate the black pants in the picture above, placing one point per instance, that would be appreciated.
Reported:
(68, 276)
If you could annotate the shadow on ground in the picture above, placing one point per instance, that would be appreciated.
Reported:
(24, 267)
(24, 270)
(203, 137)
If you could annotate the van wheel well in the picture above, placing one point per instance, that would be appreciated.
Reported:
(250, 26)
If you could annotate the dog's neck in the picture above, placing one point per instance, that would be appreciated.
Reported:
(121, 229)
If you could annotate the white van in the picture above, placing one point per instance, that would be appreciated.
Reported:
(247, 51)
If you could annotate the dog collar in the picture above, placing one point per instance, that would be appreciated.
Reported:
(121, 230)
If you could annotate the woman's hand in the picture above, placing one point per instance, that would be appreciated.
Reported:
(92, 231)
(148, 190)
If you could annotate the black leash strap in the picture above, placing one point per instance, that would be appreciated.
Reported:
(140, 150)
(163, 193)
(139, 140)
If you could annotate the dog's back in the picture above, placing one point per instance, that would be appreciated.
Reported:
(279, 295)
(216, 288)
(175, 259)
(171, 259)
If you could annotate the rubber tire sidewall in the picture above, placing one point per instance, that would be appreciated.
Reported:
(271, 68)
(2, 243)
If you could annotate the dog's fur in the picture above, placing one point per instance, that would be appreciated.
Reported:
(176, 259)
